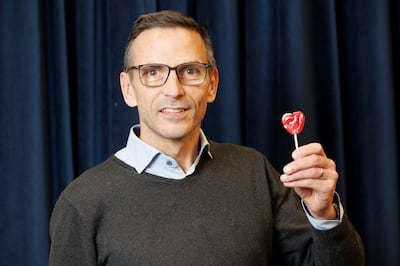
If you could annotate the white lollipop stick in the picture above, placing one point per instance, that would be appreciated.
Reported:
(296, 143)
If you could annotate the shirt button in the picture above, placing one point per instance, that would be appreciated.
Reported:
(169, 163)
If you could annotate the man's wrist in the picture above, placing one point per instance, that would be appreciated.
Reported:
(330, 223)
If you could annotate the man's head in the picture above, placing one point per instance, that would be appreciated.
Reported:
(169, 75)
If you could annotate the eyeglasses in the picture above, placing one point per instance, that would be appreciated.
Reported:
(154, 75)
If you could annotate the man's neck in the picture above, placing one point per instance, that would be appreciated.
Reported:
(184, 150)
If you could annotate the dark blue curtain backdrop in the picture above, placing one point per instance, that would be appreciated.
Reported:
(62, 111)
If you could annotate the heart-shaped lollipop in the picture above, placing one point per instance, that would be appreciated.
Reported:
(294, 124)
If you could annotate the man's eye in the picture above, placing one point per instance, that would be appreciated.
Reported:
(191, 71)
(149, 71)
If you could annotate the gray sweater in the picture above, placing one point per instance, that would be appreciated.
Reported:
(232, 211)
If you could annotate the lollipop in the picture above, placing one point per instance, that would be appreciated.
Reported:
(294, 124)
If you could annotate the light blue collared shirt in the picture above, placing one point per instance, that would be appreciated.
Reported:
(145, 158)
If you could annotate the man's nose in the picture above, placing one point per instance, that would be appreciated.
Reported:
(173, 87)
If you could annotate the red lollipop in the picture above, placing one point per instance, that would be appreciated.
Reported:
(294, 124)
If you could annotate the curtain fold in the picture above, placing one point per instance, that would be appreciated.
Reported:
(57, 115)
(62, 110)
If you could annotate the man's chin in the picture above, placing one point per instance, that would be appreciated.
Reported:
(177, 133)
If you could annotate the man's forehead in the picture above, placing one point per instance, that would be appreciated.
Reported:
(163, 32)
(168, 43)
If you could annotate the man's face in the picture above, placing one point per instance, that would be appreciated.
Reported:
(172, 111)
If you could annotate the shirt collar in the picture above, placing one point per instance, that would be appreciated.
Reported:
(141, 155)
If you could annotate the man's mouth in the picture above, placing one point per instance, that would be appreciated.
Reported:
(172, 110)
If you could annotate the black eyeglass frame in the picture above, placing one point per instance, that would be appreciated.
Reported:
(138, 67)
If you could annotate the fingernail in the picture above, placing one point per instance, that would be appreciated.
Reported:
(286, 169)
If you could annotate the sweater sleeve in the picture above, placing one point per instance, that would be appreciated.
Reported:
(71, 240)
(341, 245)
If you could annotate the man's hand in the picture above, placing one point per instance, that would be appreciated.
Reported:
(313, 176)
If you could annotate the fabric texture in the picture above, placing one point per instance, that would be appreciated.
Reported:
(235, 215)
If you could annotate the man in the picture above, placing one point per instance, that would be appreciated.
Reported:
(171, 197)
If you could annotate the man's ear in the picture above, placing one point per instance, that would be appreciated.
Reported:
(213, 86)
(127, 89)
